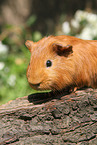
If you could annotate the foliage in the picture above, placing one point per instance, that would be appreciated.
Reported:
(82, 25)
(14, 58)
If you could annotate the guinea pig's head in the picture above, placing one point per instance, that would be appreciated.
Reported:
(45, 70)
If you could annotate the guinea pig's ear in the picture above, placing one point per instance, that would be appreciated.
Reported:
(62, 50)
(29, 44)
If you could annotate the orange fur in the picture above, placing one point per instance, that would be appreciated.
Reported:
(74, 63)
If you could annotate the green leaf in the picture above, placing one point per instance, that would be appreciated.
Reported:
(37, 36)
(31, 20)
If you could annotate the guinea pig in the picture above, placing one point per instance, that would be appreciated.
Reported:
(59, 62)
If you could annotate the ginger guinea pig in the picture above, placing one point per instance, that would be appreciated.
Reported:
(59, 62)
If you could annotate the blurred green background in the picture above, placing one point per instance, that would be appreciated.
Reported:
(31, 20)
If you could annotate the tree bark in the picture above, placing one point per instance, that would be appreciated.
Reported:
(46, 118)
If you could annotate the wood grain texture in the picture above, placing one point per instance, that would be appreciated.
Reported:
(50, 119)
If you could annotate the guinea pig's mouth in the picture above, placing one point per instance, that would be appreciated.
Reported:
(35, 85)
(39, 86)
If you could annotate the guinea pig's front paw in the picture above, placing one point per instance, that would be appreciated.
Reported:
(73, 89)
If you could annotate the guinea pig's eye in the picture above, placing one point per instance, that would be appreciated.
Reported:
(48, 63)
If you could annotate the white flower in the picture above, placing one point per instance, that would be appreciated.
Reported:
(75, 23)
(2, 65)
(66, 27)
(88, 29)
(94, 31)
(91, 18)
(80, 15)
(86, 33)
(11, 80)
(3, 48)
